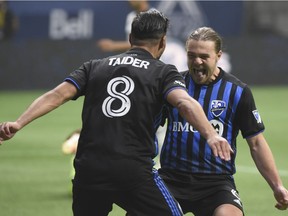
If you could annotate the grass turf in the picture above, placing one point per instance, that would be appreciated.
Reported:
(35, 175)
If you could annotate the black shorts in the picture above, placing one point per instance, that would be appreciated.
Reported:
(201, 194)
(150, 198)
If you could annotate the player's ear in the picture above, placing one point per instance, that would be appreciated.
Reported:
(219, 54)
(161, 47)
(130, 39)
(162, 43)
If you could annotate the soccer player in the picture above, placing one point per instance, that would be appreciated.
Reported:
(168, 56)
(69, 146)
(204, 184)
(172, 45)
(124, 96)
(109, 45)
(9, 22)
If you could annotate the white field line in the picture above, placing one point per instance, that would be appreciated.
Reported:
(253, 170)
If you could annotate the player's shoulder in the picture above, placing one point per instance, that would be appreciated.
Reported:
(169, 68)
(229, 77)
(184, 73)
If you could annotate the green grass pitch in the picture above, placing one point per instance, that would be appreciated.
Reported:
(34, 173)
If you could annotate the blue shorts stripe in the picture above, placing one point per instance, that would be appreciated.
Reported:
(174, 206)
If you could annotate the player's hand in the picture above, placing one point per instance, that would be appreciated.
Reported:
(220, 147)
(105, 45)
(281, 195)
(8, 130)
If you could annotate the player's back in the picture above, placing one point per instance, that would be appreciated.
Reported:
(122, 110)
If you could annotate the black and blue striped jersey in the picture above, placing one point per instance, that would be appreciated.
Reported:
(229, 106)
(124, 97)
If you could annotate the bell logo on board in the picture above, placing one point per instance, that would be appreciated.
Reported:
(64, 26)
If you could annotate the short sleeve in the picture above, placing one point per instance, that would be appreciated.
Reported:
(79, 78)
(247, 115)
(173, 80)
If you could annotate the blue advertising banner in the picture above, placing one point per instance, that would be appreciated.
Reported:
(56, 37)
(74, 20)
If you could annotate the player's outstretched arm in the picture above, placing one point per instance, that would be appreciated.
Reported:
(192, 111)
(41, 106)
(264, 160)
(108, 45)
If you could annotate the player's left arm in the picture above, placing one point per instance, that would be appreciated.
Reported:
(264, 160)
(41, 106)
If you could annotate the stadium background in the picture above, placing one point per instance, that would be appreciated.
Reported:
(55, 37)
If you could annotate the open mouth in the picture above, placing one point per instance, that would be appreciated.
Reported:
(199, 72)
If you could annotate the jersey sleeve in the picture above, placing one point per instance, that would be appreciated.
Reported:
(79, 78)
(247, 115)
(173, 80)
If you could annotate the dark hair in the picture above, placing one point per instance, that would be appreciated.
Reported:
(206, 34)
(149, 25)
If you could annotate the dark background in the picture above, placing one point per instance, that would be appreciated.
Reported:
(254, 32)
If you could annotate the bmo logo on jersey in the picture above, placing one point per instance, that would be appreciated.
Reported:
(218, 126)
(179, 127)
(119, 97)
